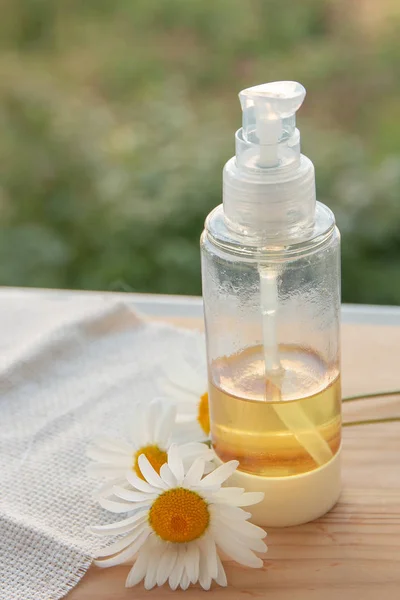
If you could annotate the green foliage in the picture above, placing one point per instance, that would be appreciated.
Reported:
(117, 117)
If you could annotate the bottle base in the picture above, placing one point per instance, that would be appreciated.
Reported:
(292, 500)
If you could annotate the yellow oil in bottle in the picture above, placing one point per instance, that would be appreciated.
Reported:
(280, 426)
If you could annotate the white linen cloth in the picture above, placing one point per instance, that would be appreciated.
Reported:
(72, 367)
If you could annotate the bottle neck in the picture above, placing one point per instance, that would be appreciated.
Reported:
(273, 204)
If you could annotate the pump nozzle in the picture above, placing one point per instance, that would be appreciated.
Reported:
(269, 186)
(269, 116)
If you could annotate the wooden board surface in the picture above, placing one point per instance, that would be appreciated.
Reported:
(353, 552)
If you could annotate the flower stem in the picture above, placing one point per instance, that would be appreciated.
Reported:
(374, 395)
(372, 421)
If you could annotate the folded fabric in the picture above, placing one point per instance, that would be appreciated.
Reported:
(72, 366)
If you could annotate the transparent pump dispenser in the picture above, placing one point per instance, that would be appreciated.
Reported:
(271, 289)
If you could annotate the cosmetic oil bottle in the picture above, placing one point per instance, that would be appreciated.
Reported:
(271, 289)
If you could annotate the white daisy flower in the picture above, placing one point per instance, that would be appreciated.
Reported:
(185, 384)
(151, 435)
(178, 524)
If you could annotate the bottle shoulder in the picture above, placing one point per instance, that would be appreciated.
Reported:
(218, 237)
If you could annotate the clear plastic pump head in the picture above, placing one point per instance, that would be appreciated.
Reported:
(269, 116)
(269, 187)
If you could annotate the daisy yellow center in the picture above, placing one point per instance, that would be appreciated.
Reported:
(203, 415)
(179, 515)
(154, 455)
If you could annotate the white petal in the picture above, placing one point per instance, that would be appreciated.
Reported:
(138, 571)
(241, 554)
(205, 493)
(135, 430)
(167, 475)
(127, 554)
(105, 490)
(185, 581)
(183, 376)
(195, 473)
(254, 544)
(167, 563)
(193, 450)
(143, 560)
(220, 474)
(238, 497)
(121, 526)
(176, 573)
(192, 562)
(187, 409)
(188, 431)
(241, 538)
(210, 466)
(220, 579)
(243, 527)
(228, 511)
(112, 445)
(154, 416)
(228, 491)
(177, 393)
(132, 496)
(209, 551)
(164, 427)
(140, 484)
(204, 576)
(182, 372)
(121, 507)
(108, 458)
(140, 433)
(149, 473)
(250, 498)
(175, 463)
(122, 543)
(99, 471)
(151, 575)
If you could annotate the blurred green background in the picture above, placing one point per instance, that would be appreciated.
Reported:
(116, 118)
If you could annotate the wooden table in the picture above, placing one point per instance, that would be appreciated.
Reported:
(353, 552)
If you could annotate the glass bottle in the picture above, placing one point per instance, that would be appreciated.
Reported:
(271, 290)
